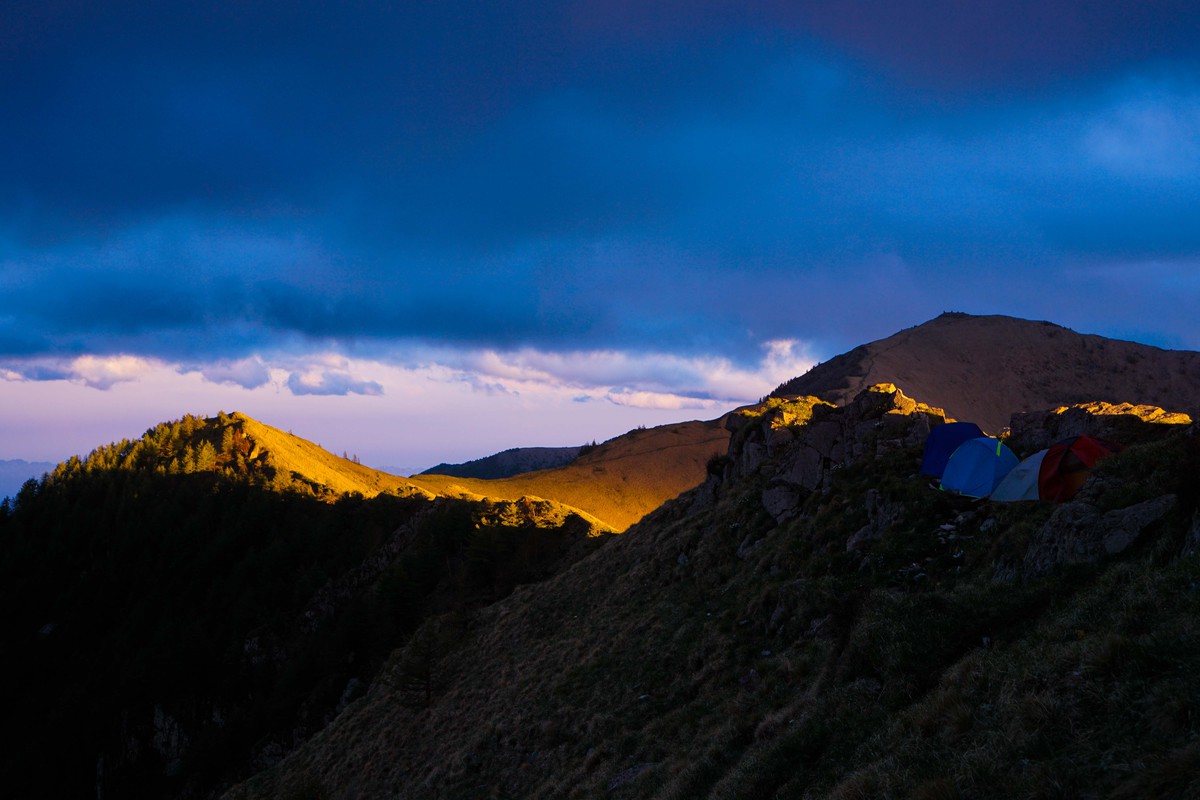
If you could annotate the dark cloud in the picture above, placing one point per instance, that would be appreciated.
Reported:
(40, 372)
(211, 182)
(997, 43)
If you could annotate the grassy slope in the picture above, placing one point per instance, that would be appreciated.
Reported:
(310, 463)
(313, 463)
(711, 653)
(613, 486)
(619, 482)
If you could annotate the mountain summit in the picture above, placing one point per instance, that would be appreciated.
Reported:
(984, 368)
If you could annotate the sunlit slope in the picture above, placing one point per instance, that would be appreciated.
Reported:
(619, 482)
(309, 462)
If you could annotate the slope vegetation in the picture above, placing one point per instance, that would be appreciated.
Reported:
(870, 637)
(617, 482)
(985, 368)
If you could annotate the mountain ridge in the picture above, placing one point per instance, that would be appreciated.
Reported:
(507, 463)
(14, 472)
(985, 368)
(618, 481)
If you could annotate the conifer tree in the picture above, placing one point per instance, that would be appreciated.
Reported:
(206, 456)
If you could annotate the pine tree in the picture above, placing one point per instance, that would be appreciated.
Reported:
(206, 456)
(417, 676)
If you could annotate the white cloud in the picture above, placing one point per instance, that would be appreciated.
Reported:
(659, 400)
(331, 382)
(249, 373)
(98, 372)
(626, 379)
(644, 380)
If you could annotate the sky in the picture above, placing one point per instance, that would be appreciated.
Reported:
(423, 232)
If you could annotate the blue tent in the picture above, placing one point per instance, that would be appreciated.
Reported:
(942, 442)
(977, 467)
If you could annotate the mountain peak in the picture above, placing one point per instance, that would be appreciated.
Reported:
(239, 447)
(984, 368)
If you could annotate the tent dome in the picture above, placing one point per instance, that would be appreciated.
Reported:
(977, 466)
(942, 442)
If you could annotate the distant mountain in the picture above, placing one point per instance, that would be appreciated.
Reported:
(617, 482)
(15, 472)
(510, 462)
(984, 368)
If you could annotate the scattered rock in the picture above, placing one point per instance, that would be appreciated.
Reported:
(1079, 533)
(746, 549)
(776, 617)
(881, 517)
(626, 775)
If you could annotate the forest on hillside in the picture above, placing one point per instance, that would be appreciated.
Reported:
(181, 613)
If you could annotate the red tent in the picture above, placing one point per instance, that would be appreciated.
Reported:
(1067, 465)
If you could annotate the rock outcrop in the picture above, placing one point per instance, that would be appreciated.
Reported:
(1079, 533)
(1125, 423)
(808, 439)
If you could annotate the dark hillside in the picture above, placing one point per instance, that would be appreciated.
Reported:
(817, 621)
(180, 610)
(508, 463)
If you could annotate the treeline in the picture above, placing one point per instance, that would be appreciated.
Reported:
(174, 620)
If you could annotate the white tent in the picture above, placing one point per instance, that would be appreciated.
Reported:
(1021, 483)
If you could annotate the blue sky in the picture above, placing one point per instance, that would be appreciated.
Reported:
(560, 220)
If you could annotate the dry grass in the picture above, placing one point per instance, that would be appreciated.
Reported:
(314, 464)
(618, 483)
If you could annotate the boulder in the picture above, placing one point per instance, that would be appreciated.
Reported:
(1079, 533)
(782, 501)
(881, 516)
